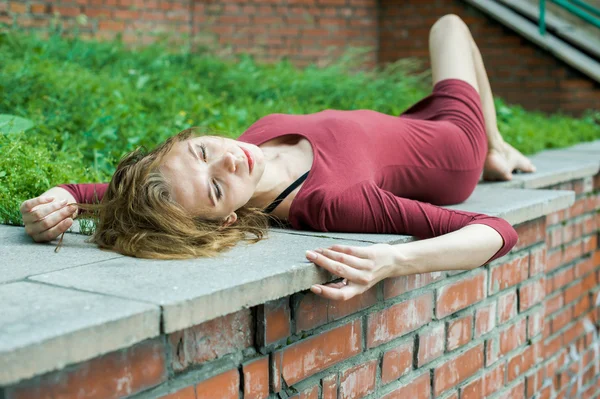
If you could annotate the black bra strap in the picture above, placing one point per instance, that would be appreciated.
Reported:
(285, 193)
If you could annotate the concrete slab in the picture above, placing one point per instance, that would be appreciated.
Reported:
(592, 147)
(557, 168)
(21, 257)
(45, 328)
(355, 237)
(516, 205)
(193, 291)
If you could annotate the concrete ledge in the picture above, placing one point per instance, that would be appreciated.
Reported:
(45, 328)
(93, 302)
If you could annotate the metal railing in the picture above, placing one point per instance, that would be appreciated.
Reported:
(579, 8)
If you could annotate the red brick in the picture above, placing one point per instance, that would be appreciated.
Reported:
(552, 346)
(554, 237)
(531, 233)
(590, 244)
(554, 259)
(431, 344)
(573, 292)
(493, 380)
(513, 336)
(507, 306)
(485, 319)
(397, 362)
(491, 351)
(577, 208)
(459, 332)
(537, 261)
(358, 381)
(17, 7)
(338, 309)
(141, 366)
(185, 393)
(573, 332)
(508, 274)
(256, 378)
(520, 363)
(584, 267)
(531, 294)
(553, 303)
(419, 388)
(572, 252)
(561, 319)
(109, 25)
(307, 357)
(473, 390)
(212, 339)
(555, 217)
(535, 323)
(312, 311)
(533, 382)
(582, 306)
(393, 287)
(517, 392)
(273, 321)
(329, 385)
(589, 225)
(40, 9)
(457, 369)
(67, 11)
(562, 277)
(399, 319)
(460, 294)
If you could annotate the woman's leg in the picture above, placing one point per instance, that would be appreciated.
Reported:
(454, 54)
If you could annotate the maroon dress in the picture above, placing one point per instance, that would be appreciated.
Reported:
(376, 173)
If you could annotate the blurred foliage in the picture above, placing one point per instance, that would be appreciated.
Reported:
(91, 102)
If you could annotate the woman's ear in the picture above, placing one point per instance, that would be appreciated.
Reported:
(229, 220)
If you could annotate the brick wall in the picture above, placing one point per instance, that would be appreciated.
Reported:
(317, 31)
(524, 326)
(519, 71)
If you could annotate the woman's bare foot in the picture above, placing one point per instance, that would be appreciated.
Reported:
(501, 162)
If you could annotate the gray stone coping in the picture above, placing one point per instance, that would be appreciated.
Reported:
(97, 301)
(44, 328)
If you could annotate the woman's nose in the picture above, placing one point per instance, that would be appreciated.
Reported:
(230, 162)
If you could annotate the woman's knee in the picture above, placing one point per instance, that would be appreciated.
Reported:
(448, 23)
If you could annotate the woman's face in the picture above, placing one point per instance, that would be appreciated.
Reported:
(213, 176)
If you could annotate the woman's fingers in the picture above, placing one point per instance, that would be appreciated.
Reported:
(41, 211)
(335, 292)
(361, 252)
(337, 268)
(346, 258)
(50, 234)
(49, 221)
(28, 205)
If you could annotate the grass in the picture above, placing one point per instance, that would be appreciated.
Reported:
(91, 102)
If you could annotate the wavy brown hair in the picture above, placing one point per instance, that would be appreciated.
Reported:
(139, 217)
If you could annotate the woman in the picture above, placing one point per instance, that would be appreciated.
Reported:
(355, 171)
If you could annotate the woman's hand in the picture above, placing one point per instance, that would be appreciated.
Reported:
(46, 217)
(360, 267)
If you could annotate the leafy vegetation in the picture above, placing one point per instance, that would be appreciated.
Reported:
(91, 102)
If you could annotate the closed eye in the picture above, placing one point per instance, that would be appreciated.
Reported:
(203, 151)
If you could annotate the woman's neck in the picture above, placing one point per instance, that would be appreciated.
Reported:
(283, 165)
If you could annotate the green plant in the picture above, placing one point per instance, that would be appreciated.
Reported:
(91, 102)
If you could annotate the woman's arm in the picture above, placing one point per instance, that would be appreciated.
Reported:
(464, 249)
(363, 267)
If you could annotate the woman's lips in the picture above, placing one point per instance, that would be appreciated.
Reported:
(250, 159)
